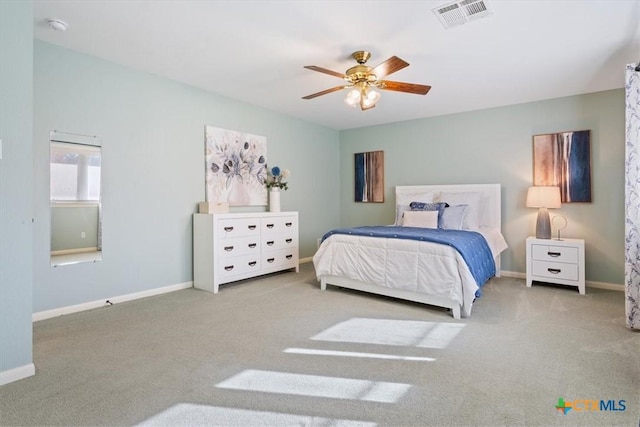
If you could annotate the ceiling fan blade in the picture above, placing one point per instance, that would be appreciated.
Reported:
(404, 87)
(324, 70)
(324, 92)
(389, 66)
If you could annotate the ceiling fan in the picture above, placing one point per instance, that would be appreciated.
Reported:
(363, 79)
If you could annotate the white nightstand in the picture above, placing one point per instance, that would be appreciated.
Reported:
(556, 261)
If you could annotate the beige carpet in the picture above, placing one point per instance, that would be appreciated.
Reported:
(278, 351)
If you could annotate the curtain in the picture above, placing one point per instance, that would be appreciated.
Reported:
(632, 196)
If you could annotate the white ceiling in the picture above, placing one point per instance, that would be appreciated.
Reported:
(254, 51)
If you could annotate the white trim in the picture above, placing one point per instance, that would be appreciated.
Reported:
(515, 274)
(48, 314)
(75, 251)
(304, 260)
(18, 373)
(589, 283)
(604, 285)
(75, 203)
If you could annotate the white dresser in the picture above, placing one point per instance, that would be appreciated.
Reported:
(235, 246)
(556, 261)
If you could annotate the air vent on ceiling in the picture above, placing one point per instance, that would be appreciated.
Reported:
(460, 12)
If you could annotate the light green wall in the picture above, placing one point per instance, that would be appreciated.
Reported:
(495, 146)
(153, 137)
(152, 133)
(68, 224)
(16, 178)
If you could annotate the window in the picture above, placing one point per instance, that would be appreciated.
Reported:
(75, 172)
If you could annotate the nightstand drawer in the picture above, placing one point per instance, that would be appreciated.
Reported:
(555, 270)
(555, 253)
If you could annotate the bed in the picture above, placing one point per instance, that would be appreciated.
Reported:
(425, 270)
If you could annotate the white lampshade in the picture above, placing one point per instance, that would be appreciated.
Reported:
(544, 197)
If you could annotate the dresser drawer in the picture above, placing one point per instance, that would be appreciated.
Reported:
(239, 246)
(555, 270)
(280, 258)
(555, 253)
(240, 265)
(230, 228)
(280, 224)
(279, 241)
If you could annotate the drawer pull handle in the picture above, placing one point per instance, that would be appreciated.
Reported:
(288, 224)
(252, 245)
(554, 270)
(289, 256)
(289, 240)
(270, 259)
(269, 225)
(228, 229)
(252, 263)
(270, 243)
(554, 254)
(252, 227)
(229, 267)
(228, 248)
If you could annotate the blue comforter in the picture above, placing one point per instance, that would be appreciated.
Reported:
(471, 245)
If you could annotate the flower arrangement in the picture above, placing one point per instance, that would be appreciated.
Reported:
(276, 178)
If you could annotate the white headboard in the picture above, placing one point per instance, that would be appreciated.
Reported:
(490, 215)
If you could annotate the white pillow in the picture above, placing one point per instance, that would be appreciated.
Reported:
(471, 219)
(453, 217)
(423, 219)
(403, 200)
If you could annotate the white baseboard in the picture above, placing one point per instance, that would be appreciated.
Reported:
(588, 283)
(47, 314)
(515, 274)
(303, 260)
(16, 374)
(604, 285)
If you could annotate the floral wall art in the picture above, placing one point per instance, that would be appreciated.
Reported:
(236, 167)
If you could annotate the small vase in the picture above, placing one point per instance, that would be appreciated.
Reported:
(274, 199)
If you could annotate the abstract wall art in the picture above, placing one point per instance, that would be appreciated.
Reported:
(369, 176)
(564, 160)
(236, 167)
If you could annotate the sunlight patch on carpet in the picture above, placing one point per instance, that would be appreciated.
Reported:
(315, 352)
(410, 333)
(315, 385)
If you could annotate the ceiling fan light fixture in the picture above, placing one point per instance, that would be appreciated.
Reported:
(373, 96)
(369, 98)
(362, 80)
(353, 97)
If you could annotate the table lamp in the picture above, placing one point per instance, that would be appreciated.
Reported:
(543, 197)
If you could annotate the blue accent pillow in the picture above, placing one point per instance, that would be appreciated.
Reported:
(422, 206)
(453, 217)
